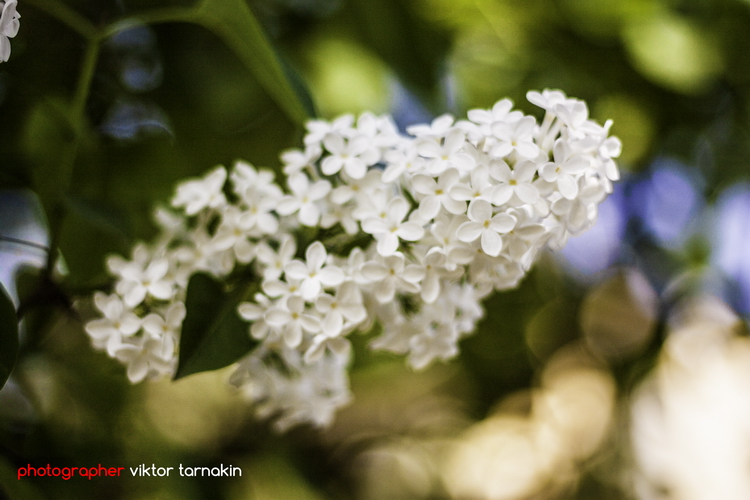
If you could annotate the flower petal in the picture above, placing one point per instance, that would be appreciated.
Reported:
(315, 255)
(469, 231)
(480, 211)
(527, 193)
(331, 276)
(568, 186)
(410, 231)
(503, 223)
(492, 243)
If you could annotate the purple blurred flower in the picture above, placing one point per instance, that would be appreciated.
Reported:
(732, 240)
(667, 202)
(599, 247)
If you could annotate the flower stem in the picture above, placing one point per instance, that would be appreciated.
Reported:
(78, 121)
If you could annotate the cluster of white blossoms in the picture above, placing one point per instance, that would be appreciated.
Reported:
(9, 24)
(407, 232)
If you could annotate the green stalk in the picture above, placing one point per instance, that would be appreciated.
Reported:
(77, 119)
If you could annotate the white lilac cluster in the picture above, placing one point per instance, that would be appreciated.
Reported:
(9, 24)
(410, 232)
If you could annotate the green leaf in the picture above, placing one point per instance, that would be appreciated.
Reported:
(213, 335)
(236, 25)
(8, 336)
(91, 230)
(46, 133)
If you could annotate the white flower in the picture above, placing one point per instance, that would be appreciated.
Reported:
(272, 263)
(233, 233)
(564, 170)
(118, 321)
(425, 298)
(147, 356)
(465, 299)
(391, 274)
(356, 188)
(138, 282)
(340, 214)
(479, 187)
(353, 266)
(517, 136)
(482, 225)
(303, 198)
(313, 273)
(436, 129)
(318, 129)
(339, 346)
(354, 156)
(170, 224)
(255, 313)
(282, 288)
(436, 194)
(295, 160)
(200, 254)
(434, 262)
(346, 305)
(195, 195)
(157, 325)
(500, 112)
(373, 206)
(312, 394)
(547, 99)
(291, 319)
(432, 342)
(457, 252)
(517, 181)
(574, 114)
(446, 155)
(257, 217)
(388, 231)
(524, 237)
(9, 25)
(405, 160)
(250, 183)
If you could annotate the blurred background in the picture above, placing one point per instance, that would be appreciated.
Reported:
(619, 369)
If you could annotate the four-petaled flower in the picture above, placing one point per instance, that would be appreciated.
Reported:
(388, 231)
(292, 320)
(517, 181)
(195, 195)
(138, 282)
(313, 273)
(354, 155)
(436, 194)
(9, 25)
(483, 225)
(303, 198)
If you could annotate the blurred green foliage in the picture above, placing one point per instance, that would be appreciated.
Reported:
(229, 79)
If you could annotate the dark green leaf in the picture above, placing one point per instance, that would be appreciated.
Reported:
(236, 25)
(8, 336)
(213, 335)
(47, 134)
(299, 86)
(91, 230)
